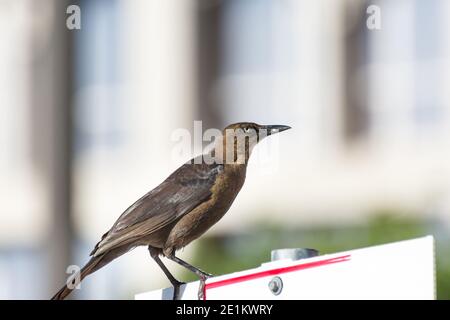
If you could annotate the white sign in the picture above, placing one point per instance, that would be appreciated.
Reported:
(400, 270)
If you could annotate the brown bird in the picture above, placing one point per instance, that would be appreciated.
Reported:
(183, 207)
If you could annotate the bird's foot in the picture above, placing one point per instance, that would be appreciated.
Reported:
(176, 290)
(201, 288)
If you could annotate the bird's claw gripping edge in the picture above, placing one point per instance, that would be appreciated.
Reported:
(176, 290)
(201, 288)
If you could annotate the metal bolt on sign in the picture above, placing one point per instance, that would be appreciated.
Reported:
(276, 283)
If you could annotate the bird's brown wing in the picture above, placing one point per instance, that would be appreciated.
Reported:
(182, 191)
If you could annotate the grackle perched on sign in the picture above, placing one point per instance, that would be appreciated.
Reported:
(184, 206)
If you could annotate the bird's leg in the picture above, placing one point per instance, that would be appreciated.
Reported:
(201, 274)
(175, 283)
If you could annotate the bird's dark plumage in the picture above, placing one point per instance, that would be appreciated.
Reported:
(182, 191)
(179, 210)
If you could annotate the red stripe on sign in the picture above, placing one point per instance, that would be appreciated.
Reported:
(273, 272)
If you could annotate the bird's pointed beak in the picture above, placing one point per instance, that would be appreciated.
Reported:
(272, 129)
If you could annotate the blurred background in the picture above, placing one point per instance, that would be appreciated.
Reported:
(86, 118)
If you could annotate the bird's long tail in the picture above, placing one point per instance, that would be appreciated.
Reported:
(90, 267)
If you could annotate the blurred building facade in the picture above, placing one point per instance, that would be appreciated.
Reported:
(370, 111)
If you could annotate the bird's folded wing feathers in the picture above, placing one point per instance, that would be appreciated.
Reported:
(181, 192)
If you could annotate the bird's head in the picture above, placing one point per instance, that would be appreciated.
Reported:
(240, 138)
(253, 130)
